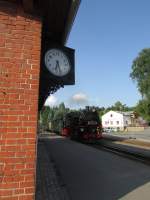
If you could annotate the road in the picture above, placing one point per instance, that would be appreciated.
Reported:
(92, 174)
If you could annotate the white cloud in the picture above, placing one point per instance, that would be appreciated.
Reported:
(51, 101)
(79, 99)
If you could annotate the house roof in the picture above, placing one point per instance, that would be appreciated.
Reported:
(128, 113)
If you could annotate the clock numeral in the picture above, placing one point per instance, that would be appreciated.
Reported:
(55, 54)
(57, 62)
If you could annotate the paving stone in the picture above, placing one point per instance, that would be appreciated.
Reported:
(49, 184)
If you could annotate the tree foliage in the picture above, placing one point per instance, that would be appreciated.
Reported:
(143, 109)
(141, 72)
(118, 106)
(52, 118)
(44, 116)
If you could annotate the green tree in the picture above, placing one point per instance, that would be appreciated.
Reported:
(143, 109)
(141, 72)
(62, 107)
(119, 106)
(59, 113)
(101, 112)
(44, 115)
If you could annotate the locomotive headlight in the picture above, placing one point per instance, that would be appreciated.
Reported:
(81, 129)
(93, 130)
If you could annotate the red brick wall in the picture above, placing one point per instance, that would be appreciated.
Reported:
(20, 38)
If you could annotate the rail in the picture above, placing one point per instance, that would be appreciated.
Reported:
(139, 154)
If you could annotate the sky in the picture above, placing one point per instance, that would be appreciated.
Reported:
(107, 36)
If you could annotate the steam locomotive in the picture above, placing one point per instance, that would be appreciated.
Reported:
(83, 125)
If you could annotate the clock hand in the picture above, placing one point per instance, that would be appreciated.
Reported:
(57, 67)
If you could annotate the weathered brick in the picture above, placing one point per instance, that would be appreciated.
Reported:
(27, 197)
(18, 191)
(29, 190)
(20, 43)
(6, 193)
(2, 42)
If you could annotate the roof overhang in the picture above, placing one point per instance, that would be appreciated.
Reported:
(57, 19)
(58, 16)
(71, 17)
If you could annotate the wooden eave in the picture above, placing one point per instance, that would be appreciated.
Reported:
(58, 16)
(28, 5)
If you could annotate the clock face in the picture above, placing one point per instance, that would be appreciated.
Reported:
(57, 62)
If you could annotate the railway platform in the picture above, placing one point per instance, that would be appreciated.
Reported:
(49, 185)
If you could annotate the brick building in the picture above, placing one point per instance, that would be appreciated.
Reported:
(24, 25)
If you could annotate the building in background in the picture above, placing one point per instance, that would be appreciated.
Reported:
(121, 121)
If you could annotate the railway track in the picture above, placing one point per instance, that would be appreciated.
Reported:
(129, 141)
(124, 151)
(124, 147)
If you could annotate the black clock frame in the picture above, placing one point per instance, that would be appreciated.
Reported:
(51, 68)
(68, 79)
(49, 83)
